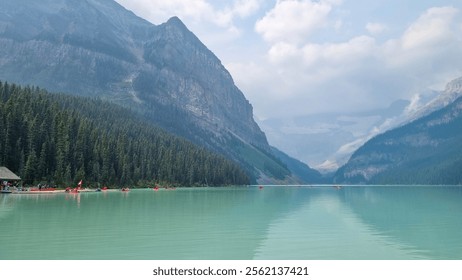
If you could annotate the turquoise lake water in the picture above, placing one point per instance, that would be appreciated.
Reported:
(284, 222)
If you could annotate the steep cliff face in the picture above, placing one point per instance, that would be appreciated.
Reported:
(98, 48)
(192, 77)
(81, 47)
(426, 151)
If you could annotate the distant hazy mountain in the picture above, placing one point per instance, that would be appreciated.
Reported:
(425, 151)
(326, 141)
(300, 170)
(98, 48)
(452, 91)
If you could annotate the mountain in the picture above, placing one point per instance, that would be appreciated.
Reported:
(326, 141)
(300, 170)
(98, 48)
(425, 151)
(62, 139)
(452, 91)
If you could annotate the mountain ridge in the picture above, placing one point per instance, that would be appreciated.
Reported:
(98, 48)
(424, 151)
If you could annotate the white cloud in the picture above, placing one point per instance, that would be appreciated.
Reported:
(245, 8)
(358, 73)
(346, 53)
(294, 20)
(218, 24)
(239, 9)
(317, 65)
(158, 11)
(284, 53)
(375, 28)
(429, 48)
(433, 27)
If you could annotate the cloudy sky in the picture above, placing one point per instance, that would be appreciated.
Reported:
(302, 57)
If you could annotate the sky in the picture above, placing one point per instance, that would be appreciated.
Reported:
(301, 57)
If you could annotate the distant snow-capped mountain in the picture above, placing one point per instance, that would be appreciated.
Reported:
(327, 141)
(427, 150)
(452, 92)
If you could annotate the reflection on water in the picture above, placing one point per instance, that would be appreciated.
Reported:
(235, 223)
(326, 228)
(425, 218)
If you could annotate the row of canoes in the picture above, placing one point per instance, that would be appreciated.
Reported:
(53, 190)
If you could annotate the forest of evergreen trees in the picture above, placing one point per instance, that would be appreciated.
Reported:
(61, 139)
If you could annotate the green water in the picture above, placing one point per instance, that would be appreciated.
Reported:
(235, 223)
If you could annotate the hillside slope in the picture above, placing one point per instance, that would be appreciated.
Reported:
(426, 151)
(62, 139)
(98, 48)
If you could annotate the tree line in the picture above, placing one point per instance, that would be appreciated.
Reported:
(62, 139)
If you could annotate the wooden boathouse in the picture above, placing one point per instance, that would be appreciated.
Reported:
(6, 176)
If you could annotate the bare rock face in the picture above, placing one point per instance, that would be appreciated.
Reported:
(98, 48)
(193, 78)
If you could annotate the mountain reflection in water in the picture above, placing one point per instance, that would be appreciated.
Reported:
(280, 222)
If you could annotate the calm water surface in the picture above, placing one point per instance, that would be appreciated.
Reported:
(283, 222)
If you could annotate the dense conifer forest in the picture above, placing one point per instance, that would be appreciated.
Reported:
(61, 139)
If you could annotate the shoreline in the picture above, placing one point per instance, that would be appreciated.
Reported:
(62, 191)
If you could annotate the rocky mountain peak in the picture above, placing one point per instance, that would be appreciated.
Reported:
(98, 48)
(176, 21)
